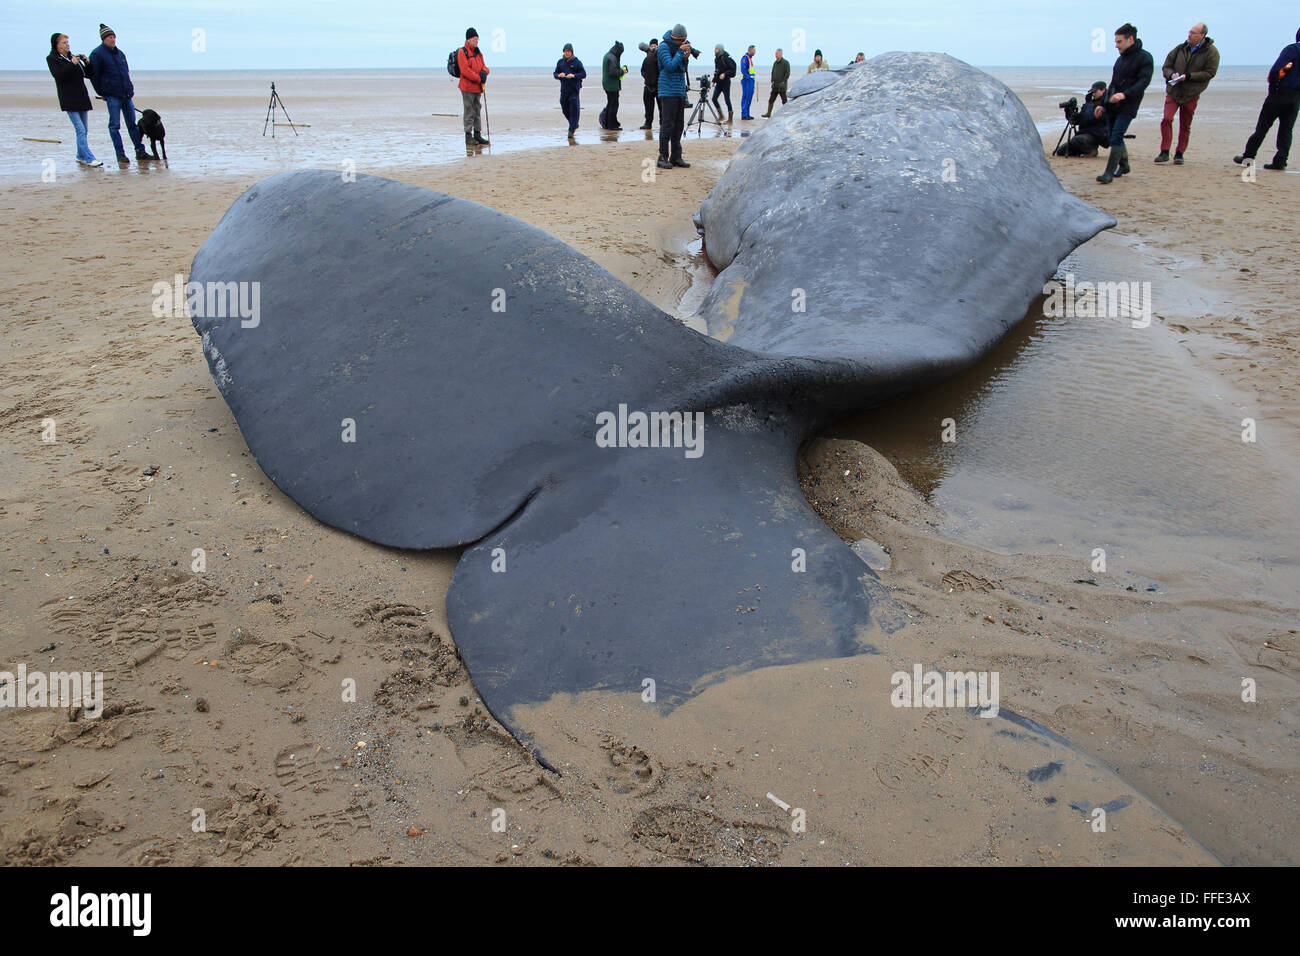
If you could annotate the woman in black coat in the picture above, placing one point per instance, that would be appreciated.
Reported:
(70, 74)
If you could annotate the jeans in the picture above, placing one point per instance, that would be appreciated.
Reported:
(569, 105)
(746, 95)
(79, 124)
(672, 114)
(722, 88)
(1280, 106)
(1119, 123)
(116, 107)
(473, 106)
(1185, 112)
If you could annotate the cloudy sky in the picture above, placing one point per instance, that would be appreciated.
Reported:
(298, 34)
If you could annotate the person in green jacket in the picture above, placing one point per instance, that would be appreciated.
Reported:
(611, 79)
(780, 79)
(1188, 69)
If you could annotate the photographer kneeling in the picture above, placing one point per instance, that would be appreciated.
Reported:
(1091, 124)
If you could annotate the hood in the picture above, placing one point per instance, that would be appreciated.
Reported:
(1135, 48)
(616, 49)
(668, 38)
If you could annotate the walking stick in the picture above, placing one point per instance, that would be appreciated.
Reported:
(487, 120)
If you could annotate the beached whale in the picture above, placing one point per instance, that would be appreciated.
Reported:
(426, 372)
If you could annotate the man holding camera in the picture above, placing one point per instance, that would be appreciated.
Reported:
(1129, 80)
(1090, 126)
(473, 74)
(672, 53)
(650, 76)
(1188, 69)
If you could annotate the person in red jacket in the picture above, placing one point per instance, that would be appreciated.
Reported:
(473, 74)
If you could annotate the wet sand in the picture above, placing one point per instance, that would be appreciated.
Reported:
(1145, 685)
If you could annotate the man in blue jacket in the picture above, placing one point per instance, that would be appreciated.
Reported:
(570, 73)
(673, 52)
(747, 72)
(111, 78)
(1281, 105)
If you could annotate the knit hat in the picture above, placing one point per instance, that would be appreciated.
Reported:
(568, 46)
(679, 33)
(471, 32)
(106, 31)
(817, 53)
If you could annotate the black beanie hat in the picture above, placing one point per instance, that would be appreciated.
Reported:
(471, 32)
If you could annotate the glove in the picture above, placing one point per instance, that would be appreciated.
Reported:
(482, 76)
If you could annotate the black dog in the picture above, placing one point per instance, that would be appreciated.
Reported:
(151, 125)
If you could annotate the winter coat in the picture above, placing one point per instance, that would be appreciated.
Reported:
(672, 67)
(1130, 76)
(724, 67)
(573, 66)
(813, 67)
(1198, 67)
(780, 75)
(1289, 54)
(1092, 124)
(611, 73)
(471, 66)
(70, 82)
(110, 74)
(650, 71)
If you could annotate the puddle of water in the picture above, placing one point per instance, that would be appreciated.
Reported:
(1080, 433)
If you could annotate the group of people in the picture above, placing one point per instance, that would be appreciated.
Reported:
(108, 72)
(1109, 109)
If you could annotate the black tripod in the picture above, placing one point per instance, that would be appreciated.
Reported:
(1071, 123)
(698, 117)
(270, 114)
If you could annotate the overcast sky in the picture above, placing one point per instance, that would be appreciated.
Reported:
(296, 34)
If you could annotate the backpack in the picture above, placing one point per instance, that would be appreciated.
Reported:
(452, 66)
(729, 67)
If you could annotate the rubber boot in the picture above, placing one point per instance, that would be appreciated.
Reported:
(1112, 162)
(1124, 168)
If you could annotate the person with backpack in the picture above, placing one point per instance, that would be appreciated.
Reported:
(111, 77)
(650, 76)
(473, 73)
(1281, 106)
(570, 72)
(747, 74)
(724, 68)
(611, 78)
(70, 74)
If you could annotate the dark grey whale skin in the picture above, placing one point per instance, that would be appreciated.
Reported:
(477, 427)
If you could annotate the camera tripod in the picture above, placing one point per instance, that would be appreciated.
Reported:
(699, 117)
(270, 114)
(1066, 135)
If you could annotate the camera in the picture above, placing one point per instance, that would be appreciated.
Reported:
(704, 84)
(1071, 107)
